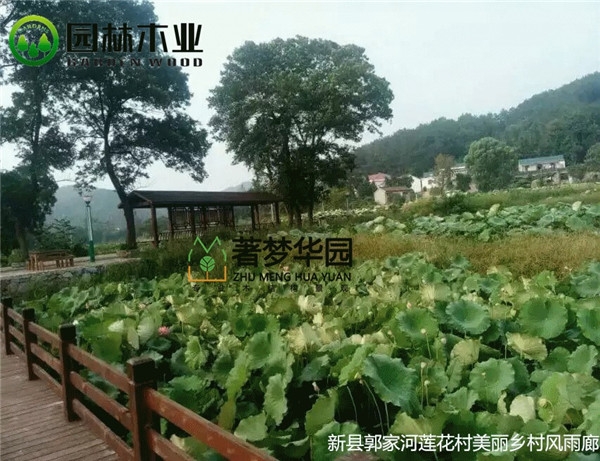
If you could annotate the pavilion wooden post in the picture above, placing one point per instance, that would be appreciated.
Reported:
(193, 220)
(7, 303)
(277, 213)
(204, 218)
(253, 217)
(154, 226)
(171, 227)
(257, 216)
(232, 217)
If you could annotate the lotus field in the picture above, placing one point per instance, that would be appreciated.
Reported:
(405, 349)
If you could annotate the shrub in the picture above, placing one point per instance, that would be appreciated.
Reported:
(17, 256)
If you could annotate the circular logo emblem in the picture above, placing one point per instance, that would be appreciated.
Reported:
(33, 40)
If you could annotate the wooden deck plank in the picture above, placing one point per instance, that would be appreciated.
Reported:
(32, 424)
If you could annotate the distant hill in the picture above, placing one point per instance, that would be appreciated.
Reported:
(69, 205)
(243, 187)
(564, 121)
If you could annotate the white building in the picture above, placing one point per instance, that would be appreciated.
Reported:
(385, 195)
(530, 165)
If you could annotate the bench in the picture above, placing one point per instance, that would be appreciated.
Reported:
(62, 258)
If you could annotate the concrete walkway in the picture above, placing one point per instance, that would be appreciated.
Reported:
(101, 260)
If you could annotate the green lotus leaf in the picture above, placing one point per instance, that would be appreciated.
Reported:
(238, 376)
(577, 224)
(320, 441)
(275, 401)
(194, 355)
(560, 392)
(351, 371)
(587, 286)
(253, 428)
(583, 359)
(466, 352)
(321, 413)
(545, 318)
(490, 378)
(529, 347)
(461, 400)
(146, 329)
(468, 316)
(432, 292)
(261, 347)
(588, 319)
(523, 406)
(405, 425)
(556, 360)
(418, 324)
(392, 381)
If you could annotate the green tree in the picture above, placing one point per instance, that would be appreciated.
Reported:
(492, 164)
(285, 107)
(23, 206)
(361, 187)
(131, 116)
(30, 124)
(443, 171)
(592, 158)
(399, 181)
(463, 182)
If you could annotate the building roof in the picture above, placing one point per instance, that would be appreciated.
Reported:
(163, 199)
(536, 160)
(378, 177)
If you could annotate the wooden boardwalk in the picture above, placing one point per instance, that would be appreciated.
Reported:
(32, 424)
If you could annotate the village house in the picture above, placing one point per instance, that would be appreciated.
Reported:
(534, 164)
(378, 179)
(387, 195)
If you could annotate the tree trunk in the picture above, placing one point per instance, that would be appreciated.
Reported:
(130, 221)
(112, 174)
(298, 214)
(290, 214)
(21, 236)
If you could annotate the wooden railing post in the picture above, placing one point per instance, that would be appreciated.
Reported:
(29, 317)
(66, 334)
(142, 375)
(6, 305)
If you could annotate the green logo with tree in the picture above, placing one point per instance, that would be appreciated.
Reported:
(207, 262)
(33, 40)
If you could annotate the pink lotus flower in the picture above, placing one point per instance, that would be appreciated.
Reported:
(164, 331)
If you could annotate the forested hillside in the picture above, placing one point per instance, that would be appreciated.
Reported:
(563, 121)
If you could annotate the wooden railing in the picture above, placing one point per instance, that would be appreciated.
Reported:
(59, 362)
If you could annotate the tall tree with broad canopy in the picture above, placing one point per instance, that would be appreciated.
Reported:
(32, 126)
(492, 164)
(129, 117)
(285, 108)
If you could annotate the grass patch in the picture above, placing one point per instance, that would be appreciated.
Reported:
(523, 255)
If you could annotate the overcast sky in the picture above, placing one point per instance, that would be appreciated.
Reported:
(441, 59)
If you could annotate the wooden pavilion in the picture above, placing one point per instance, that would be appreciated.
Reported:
(191, 213)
